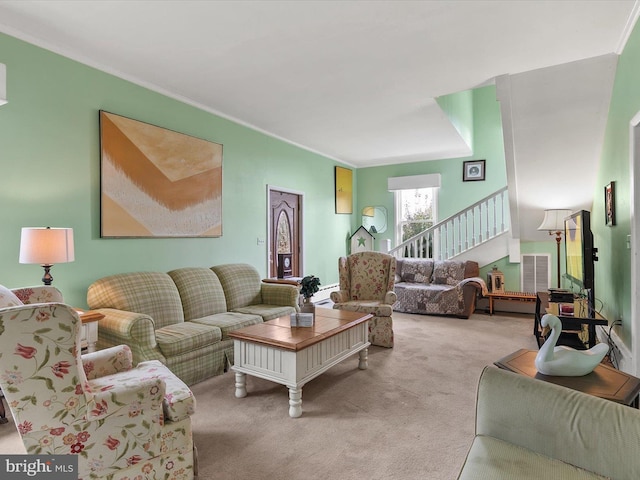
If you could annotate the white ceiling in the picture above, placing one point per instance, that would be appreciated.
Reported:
(353, 80)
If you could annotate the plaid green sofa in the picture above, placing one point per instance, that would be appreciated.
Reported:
(183, 318)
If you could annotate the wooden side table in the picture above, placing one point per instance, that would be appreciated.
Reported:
(284, 281)
(604, 382)
(89, 328)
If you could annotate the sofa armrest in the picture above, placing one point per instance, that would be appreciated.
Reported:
(571, 426)
(280, 294)
(107, 362)
(339, 296)
(136, 330)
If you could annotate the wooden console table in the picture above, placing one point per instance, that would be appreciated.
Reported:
(510, 297)
(604, 382)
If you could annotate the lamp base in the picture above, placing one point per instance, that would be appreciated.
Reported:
(47, 278)
(558, 235)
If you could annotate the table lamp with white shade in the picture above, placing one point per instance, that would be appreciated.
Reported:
(46, 246)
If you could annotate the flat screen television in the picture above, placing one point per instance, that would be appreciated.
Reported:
(581, 254)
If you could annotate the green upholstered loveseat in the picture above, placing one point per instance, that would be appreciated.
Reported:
(530, 429)
(183, 317)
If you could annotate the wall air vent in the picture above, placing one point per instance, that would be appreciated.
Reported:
(535, 272)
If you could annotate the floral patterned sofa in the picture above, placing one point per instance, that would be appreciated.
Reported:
(182, 318)
(437, 287)
(123, 422)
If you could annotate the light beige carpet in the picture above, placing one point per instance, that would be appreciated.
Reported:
(410, 415)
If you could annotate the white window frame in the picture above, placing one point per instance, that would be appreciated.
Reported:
(412, 182)
(399, 222)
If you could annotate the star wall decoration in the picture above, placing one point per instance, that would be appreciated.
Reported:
(361, 240)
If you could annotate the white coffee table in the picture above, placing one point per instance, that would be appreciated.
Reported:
(292, 356)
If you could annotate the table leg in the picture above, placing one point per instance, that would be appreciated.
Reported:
(592, 336)
(295, 402)
(490, 305)
(241, 385)
(364, 359)
(3, 416)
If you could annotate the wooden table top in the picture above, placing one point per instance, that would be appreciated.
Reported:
(88, 316)
(604, 382)
(279, 332)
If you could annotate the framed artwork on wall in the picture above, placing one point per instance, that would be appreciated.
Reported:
(344, 190)
(473, 170)
(610, 204)
(156, 182)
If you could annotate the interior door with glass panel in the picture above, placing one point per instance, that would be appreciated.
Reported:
(284, 221)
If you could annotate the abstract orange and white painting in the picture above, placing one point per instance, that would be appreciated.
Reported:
(156, 182)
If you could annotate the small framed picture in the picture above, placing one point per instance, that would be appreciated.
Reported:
(473, 170)
(610, 204)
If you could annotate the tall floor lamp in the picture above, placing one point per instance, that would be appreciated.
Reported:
(553, 222)
(46, 246)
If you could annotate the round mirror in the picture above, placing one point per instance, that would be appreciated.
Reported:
(374, 219)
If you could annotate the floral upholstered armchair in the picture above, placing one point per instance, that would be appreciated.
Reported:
(366, 285)
(123, 422)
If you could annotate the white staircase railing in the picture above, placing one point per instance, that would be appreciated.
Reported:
(476, 224)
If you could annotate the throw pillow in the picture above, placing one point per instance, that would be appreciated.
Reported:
(8, 298)
(448, 272)
(415, 270)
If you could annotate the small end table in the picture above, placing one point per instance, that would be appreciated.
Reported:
(89, 327)
(604, 382)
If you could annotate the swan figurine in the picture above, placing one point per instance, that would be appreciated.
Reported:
(564, 361)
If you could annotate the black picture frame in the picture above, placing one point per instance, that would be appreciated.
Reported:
(610, 204)
(473, 170)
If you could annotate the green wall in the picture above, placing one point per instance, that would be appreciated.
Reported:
(50, 163)
(613, 270)
(454, 194)
(512, 270)
(459, 109)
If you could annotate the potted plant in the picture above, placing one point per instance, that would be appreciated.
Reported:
(308, 286)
